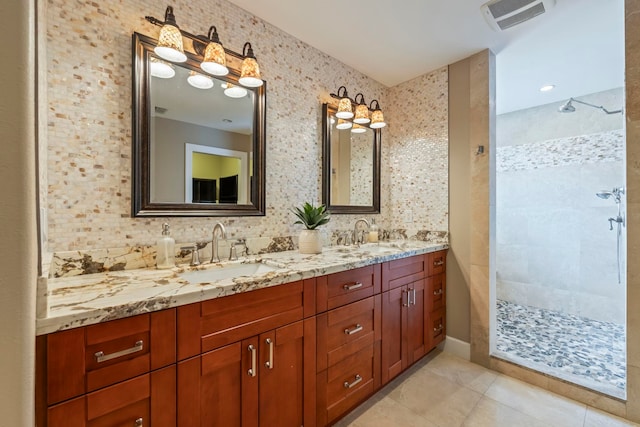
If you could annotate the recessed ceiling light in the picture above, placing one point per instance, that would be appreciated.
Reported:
(547, 88)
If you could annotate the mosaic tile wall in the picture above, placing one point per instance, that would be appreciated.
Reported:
(554, 247)
(418, 166)
(88, 159)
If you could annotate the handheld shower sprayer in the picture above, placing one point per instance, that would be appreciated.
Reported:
(568, 107)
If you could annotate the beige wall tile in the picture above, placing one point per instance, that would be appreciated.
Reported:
(519, 372)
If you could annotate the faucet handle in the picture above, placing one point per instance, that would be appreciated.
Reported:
(195, 256)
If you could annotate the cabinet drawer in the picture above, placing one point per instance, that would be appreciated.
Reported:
(148, 399)
(437, 325)
(211, 324)
(346, 330)
(338, 289)
(437, 262)
(402, 271)
(86, 359)
(436, 296)
(349, 382)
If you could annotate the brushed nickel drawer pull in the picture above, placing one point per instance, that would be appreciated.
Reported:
(354, 383)
(138, 422)
(252, 371)
(355, 330)
(269, 363)
(408, 302)
(356, 285)
(414, 296)
(101, 357)
(438, 292)
(438, 329)
(438, 263)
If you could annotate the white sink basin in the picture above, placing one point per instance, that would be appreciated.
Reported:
(227, 272)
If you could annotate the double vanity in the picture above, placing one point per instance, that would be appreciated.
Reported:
(281, 339)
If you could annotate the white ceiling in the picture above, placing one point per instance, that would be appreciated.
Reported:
(578, 45)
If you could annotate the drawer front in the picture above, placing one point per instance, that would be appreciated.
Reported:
(436, 295)
(349, 382)
(402, 271)
(437, 262)
(338, 289)
(87, 359)
(221, 321)
(344, 331)
(438, 330)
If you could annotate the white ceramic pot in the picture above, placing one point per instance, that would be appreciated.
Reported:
(310, 242)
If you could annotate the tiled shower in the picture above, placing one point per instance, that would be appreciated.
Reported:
(560, 303)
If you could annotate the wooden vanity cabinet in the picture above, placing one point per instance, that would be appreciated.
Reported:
(120, 372)
(348, 340)
(254, 359)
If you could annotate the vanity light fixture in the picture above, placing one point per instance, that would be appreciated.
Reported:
(362, 111)
(234, 91)
(358, 128)
(377, 118)
(161, 69)
(199, 81)
(344, 124)
(209, 47)
(170, 40)
(250, 71)
(214, 61)
(344, 105)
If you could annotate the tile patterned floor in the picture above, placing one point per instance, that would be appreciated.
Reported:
(584, 351)
(443, 390)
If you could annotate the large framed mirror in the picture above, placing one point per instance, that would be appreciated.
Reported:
(198, 140)
(350, 166)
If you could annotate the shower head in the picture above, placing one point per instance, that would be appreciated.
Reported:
(604, 194)
(567, 107)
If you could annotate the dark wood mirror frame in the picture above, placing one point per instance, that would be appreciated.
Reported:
(142, 206)
(327, 112)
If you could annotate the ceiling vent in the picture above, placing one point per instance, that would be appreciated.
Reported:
(503, 14)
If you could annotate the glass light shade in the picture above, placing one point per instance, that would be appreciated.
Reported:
(233, 91)
(344, 124)
(199, 81)
(161, 69)
(170, 44)
(358, 128)
(215, 61)
(377, 120)
(362, 114)
(250, 73)
(344, 109)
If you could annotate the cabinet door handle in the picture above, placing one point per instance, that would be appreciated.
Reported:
(269, 363)
(138, 422)
(408, 302)
(354, 330)
(438, 263)
(353, 286)
(101, 357)
(438, 292)
(252, 370)
(414, 296)
(438, 329)
(355, 382)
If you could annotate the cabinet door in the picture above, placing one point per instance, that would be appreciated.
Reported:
(417, 332)
(394, 322)
(210, 388)
(281, 366)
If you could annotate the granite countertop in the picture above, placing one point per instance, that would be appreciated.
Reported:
(75, 301)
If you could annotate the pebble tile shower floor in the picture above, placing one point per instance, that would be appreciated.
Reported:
(587, 352)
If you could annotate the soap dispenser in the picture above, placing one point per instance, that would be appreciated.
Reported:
(373, 232)
(165, 257)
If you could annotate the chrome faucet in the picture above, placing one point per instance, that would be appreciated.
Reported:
(214, 241)
(357, 239)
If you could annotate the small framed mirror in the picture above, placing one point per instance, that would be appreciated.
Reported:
(350, 166)
(198, 140)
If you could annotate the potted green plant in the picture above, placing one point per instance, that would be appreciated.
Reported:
(310, 241)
